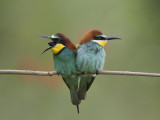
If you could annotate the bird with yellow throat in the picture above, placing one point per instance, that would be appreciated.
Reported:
(65, 63)
(90, 58)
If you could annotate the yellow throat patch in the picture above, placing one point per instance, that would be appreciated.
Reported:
(57, 48)
(100, 42)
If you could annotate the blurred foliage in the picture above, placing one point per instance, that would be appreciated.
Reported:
(110, 97)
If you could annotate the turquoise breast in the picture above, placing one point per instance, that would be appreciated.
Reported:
(90, 57)
(64, 62)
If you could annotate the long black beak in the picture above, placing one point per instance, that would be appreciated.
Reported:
(51, 44)
(46, 37)
(112, 38)
(46, 49)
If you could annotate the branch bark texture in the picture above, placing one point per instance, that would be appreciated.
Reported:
(50, 73)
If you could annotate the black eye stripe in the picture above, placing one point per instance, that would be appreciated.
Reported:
(58, 40)
(99, 38)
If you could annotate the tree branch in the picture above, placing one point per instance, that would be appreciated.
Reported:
(50, 73)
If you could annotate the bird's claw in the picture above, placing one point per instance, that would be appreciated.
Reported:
(97, 72)
(58, 73)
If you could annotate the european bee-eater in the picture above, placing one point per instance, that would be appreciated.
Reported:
(90, 58)
(65, 63)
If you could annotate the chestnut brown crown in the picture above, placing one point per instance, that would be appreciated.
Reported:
(66, 41)
(89, 36)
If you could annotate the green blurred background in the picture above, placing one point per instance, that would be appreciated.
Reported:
(110, 97)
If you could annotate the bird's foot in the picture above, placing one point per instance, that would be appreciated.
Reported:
(97, 72)
(58, 73)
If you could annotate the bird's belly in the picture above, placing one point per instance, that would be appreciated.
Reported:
(65, 63)
(65, 68)
(88, 62)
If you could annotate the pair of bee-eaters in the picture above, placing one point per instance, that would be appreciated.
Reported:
(87, 57)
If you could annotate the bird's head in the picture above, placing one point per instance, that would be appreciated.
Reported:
(96, 36)
(59, 42)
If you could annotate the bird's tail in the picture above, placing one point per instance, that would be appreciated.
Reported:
(74, 98)
(82, 92)
(85, 84)
(78, 108)
(82, 87)
(72, 84)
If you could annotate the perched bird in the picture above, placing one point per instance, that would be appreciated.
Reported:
(90, 58)
(65, 63)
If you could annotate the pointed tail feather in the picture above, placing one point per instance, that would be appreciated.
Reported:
(82, 92)
(78, 108)
(72, 84)
(74, 97)
(82, 88)
(85, 83)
